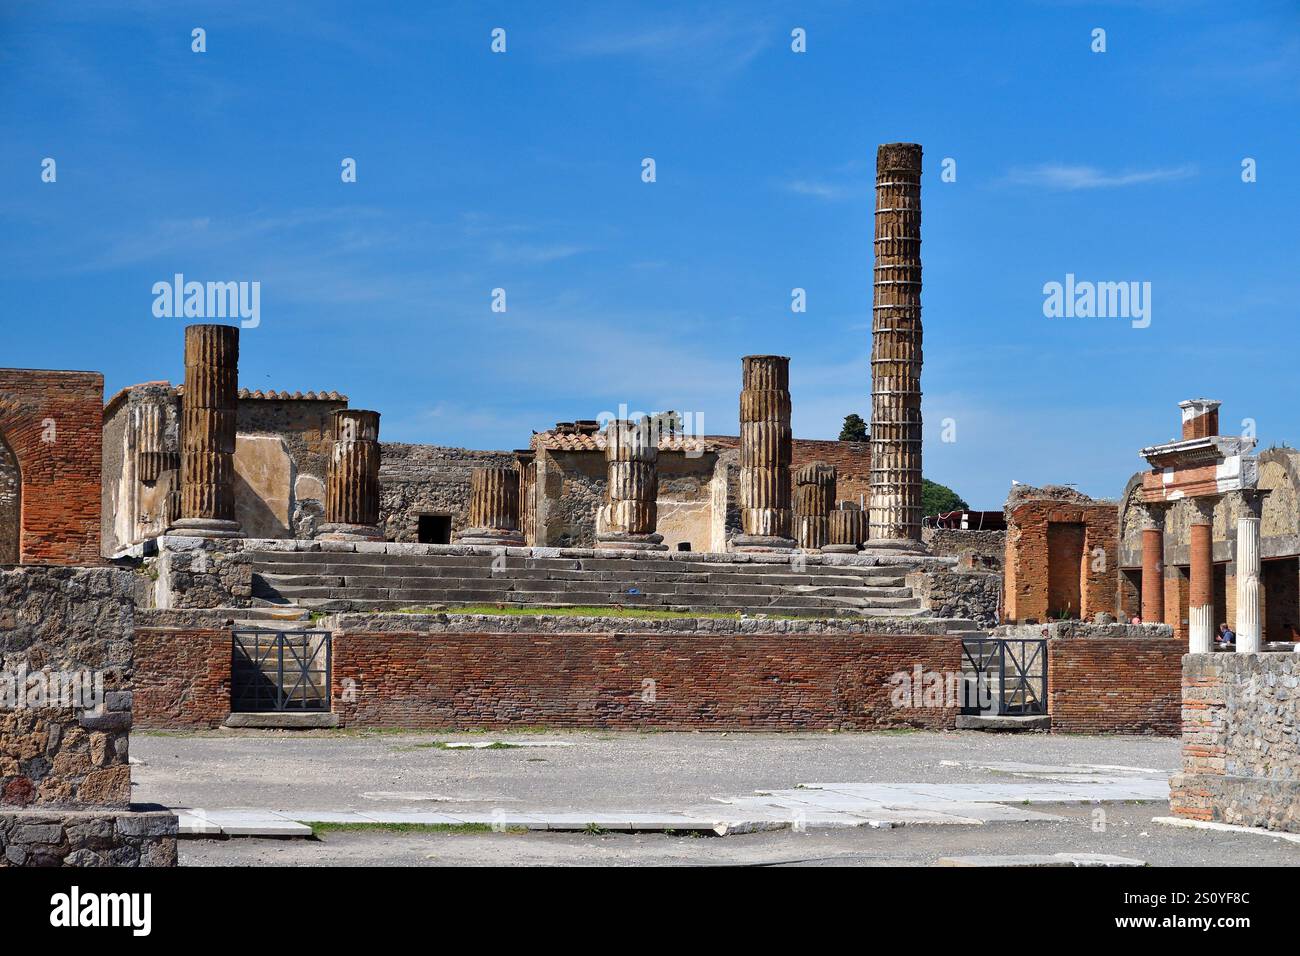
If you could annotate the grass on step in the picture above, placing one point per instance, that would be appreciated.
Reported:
(318, 828)
(644, 613)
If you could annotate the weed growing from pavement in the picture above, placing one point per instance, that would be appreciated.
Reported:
(318, 828)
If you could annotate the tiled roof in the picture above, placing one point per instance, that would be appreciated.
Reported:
(555, 441)
(271, 394)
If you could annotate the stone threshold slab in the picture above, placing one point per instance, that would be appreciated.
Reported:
(1041, 859)
(1227, 828)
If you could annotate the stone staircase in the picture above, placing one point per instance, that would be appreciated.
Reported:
(355, 581)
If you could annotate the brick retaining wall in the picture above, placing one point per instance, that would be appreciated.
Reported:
(715, 682)
(1115, 685)
(182, 676)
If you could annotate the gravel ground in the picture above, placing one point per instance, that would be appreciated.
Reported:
(667, 771)
(647, 771)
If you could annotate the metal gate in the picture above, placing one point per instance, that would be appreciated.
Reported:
(280, 671)
(1009, 675)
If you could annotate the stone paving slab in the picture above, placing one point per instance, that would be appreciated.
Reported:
(1226, 828)
(1042, 859)
(815, 805)
(255, 823)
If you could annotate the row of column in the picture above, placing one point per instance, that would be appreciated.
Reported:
(209, 424)
(1201, 624)
(819, 525)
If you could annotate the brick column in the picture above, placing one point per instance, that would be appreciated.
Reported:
(765, 452)
(209, 418)
(1249, 636)
(814, 497)
(493, 508)
(847, 531)
(1201, 617)
(895, 515)
(1153, 565)
(352, 483)
(632, 489)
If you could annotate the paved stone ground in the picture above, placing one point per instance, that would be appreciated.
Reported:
(649, 771)
(576, 771)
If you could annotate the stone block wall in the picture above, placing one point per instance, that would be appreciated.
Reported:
(51, 423)
(88, 838)
(1241, 740)
(1115, 685)
(428, 479)
(66, 672)
(968, 594)
(60, 626)
(198, 573)
(991, 546)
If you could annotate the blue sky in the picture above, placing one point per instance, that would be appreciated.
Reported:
(522, 171)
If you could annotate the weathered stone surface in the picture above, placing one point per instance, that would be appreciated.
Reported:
(1241, 740)
(895, 514)
(766, 507)
(66, 632)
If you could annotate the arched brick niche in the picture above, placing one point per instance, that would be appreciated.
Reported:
(51, 423)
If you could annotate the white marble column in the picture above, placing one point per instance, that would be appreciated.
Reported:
(1249, 638)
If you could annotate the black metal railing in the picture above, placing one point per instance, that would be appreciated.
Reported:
(280, 671)
(1010, 676)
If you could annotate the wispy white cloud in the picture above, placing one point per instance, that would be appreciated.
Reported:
(706, 53)
(820, 189)
(1069, 178)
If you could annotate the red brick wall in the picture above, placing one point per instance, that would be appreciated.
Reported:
(852, 461)
(1028, 568)
(750, 682)
(52, 421)
(1115, 685)
(182, 677)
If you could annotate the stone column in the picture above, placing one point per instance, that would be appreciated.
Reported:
(1200, 628)
(765, 449)
(209, 418)
(352, 482)
(895, 514)
(1249, 636)
(1153, 565)
(632, 491)
(526, 462)
(493, 508)
(814, 497)
(848, 531)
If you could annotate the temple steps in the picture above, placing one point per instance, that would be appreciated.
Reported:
(340, 581)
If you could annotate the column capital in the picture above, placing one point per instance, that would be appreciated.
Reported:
(1202, 508)
(1151, 515)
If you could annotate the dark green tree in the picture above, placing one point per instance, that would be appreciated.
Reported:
(937, 498)
(855, 429)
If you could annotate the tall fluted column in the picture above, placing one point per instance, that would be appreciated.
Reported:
(209, 417)
(493, 508)
(765, 450)
(1249, 636)
(814, 497)
(848, 531)
(1200, 628)
(1153, 566)
(352, 483)
(895, 515)
(632, 491)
